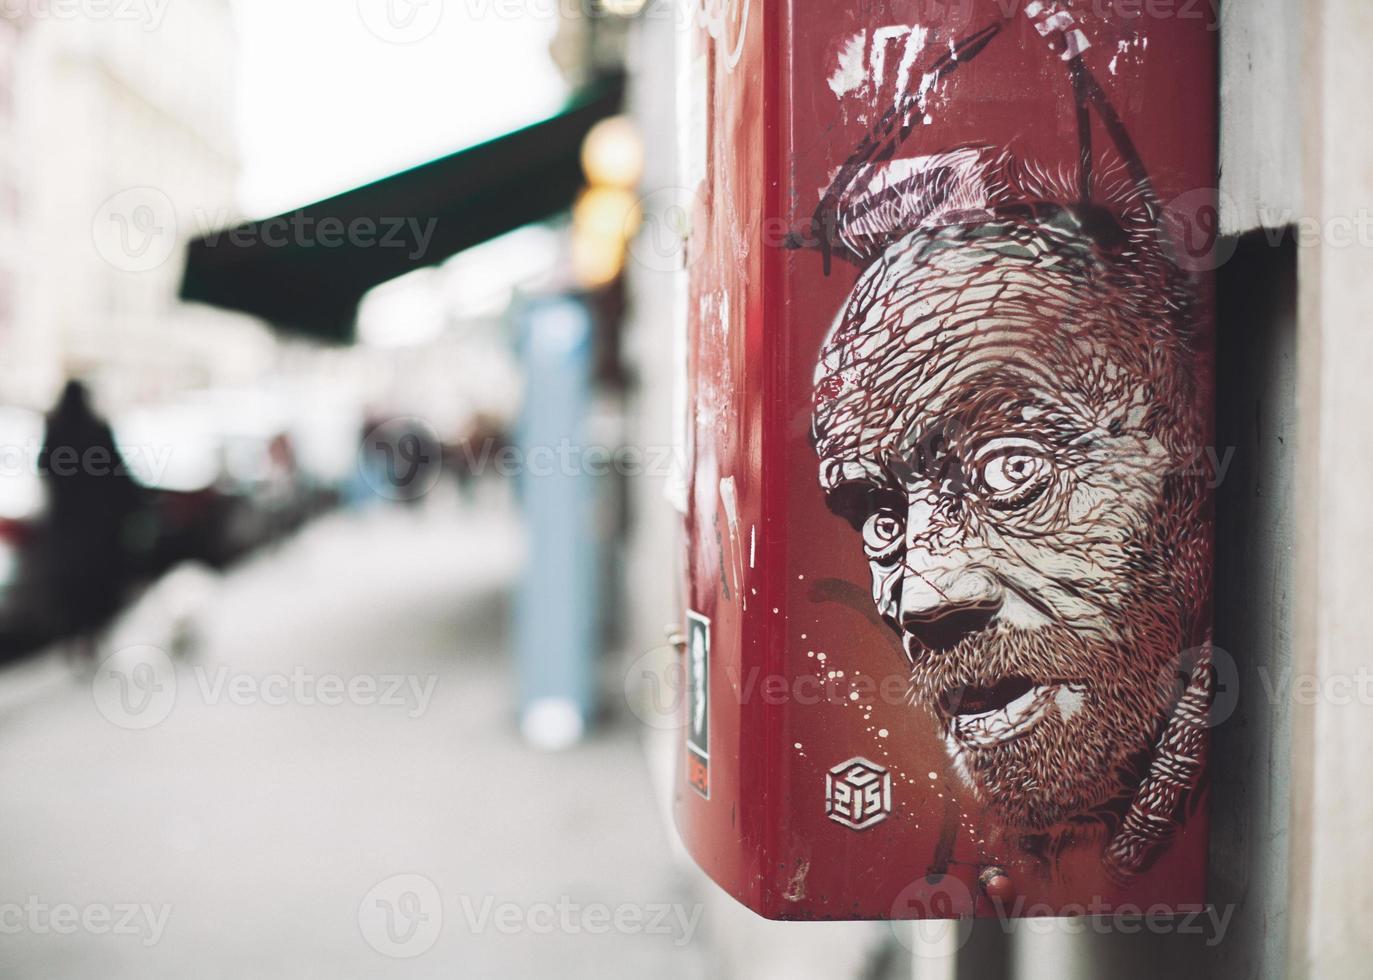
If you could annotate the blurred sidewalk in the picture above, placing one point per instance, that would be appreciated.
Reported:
(257, 831)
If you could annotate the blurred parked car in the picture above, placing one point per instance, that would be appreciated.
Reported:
(25, 608)
(231, 471)
(226, 472)
(174, 452)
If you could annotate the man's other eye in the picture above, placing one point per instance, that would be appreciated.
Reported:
(1013, 472)
(882, 534)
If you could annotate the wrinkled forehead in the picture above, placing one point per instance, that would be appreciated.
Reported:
(964, 323)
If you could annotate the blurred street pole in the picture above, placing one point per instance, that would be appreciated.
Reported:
(557, 601)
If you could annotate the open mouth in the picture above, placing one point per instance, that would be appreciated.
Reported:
(983, 717)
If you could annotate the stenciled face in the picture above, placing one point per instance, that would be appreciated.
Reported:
(997, 426)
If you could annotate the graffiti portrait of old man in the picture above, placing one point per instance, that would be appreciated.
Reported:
(1005, 408)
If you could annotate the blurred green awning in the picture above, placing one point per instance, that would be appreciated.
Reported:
(306, 270)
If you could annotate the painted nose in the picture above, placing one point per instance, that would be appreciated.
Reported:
(941, 610)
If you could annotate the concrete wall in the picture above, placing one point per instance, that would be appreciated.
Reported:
(1260, 128)
(1333, 737)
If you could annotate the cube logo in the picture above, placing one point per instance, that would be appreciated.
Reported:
(858, 794)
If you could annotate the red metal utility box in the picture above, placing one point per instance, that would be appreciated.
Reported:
(950, 373)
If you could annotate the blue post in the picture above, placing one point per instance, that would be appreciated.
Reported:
(556, 608)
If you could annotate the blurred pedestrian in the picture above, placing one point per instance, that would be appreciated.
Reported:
(91, 503)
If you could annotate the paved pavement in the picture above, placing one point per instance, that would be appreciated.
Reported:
(224, 818)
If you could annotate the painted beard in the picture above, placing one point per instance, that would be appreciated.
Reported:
(1045, 724)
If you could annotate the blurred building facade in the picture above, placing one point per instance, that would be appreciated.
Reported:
(118, 148)
(10, 157)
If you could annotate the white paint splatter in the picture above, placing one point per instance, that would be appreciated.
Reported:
(729, 496)
(852, 76)
(848, 74)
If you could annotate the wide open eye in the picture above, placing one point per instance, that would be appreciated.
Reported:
(1013, 472)
(882, 534)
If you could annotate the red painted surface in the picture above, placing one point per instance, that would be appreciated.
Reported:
(781, 579)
